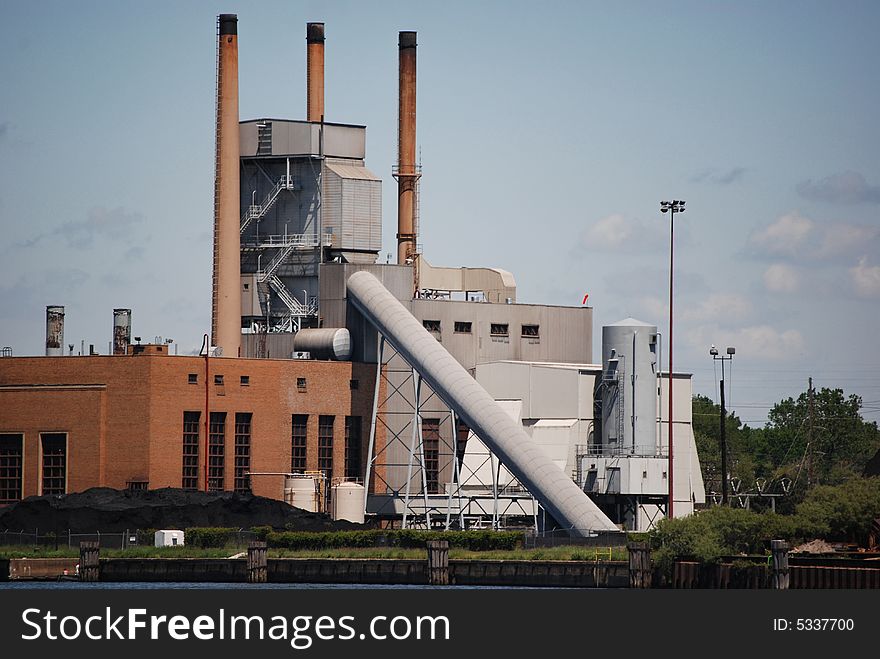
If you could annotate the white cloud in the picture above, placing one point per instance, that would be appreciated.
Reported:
(610, 231)
(781, 278)
(785, 236)
(866, 278)
(761, 341)
(618, 232)
(717, 307)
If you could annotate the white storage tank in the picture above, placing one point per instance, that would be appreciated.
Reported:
(629, 387)
(347, 502)
(300, 492)
(332, 343)
(168, 538)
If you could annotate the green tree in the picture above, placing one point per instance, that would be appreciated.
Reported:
(707, 435)
(823, 444)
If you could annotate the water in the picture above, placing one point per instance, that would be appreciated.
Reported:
(78, 585)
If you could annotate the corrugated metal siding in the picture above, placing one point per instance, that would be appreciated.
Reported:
(353, 207)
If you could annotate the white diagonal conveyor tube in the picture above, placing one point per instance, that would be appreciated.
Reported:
(559, 495)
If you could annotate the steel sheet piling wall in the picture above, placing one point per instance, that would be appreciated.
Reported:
(406, 154)
(315, 71)
(226, 307)
(54, 331)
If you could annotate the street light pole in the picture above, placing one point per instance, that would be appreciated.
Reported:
(675, 206)
(730, 353)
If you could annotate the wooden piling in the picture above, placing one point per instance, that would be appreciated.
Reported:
(257, 562)
(640, 572)
(89, 566)
(779, 574)
(438, 562)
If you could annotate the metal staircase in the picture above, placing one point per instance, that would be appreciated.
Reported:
(296, 309)
(258, 211)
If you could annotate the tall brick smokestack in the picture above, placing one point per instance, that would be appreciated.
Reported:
(226, 299)
(315, 71)
(406, 149)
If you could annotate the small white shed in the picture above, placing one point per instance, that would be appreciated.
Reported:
(169, 538)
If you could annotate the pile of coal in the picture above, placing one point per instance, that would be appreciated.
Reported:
(107, 510)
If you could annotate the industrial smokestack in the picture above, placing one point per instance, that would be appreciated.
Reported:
(226, 298)
(121, 331)
(406, 149)
(54, 331)
(315, 71)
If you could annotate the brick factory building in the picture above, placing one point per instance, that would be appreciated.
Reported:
(138, 421)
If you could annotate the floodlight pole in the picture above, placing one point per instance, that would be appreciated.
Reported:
(675, 206)
(715, 356)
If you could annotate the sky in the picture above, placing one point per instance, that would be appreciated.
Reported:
(548, 135)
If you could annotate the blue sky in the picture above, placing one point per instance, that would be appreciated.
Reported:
(548, 134)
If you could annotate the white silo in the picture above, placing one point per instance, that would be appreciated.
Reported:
(629, 387)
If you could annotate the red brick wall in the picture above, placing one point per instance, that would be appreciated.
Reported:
(130, 427)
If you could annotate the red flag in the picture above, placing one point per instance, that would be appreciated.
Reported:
(586, 295)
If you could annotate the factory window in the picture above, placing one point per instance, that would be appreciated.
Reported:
(218, 380)
(498, 329)
(298, 442)
(245, 380)
(352, 447)
(242, 483)
(54, 447)
(11, 461)
(354, 384)
(431, 325)
(190, 479)
(431, 446)
(216, 451)
(135, 486)
(193, 378)
(301, 384)
(531, 331)
(462, 327)
(325, 445)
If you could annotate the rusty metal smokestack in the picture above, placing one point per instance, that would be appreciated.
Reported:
(54, 331)
(315, 71)
(226, 298)
(121, 331)
(406, 150)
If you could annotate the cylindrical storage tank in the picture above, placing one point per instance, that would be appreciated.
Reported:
(121, 331)
(332, 343)
(347, 502)
(299, 492)
(54, 331)
(629, 387)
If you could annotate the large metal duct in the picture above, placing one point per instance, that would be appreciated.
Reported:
(315, 71)
(121, 331)
(333, 343)
(226, 298)
(559, 495)
(406, 148)
(54, 331)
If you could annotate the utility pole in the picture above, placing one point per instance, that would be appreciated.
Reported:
(810, 434)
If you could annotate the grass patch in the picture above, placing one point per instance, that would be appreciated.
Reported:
(562, 553)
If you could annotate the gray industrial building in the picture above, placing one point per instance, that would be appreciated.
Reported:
(311, 220)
